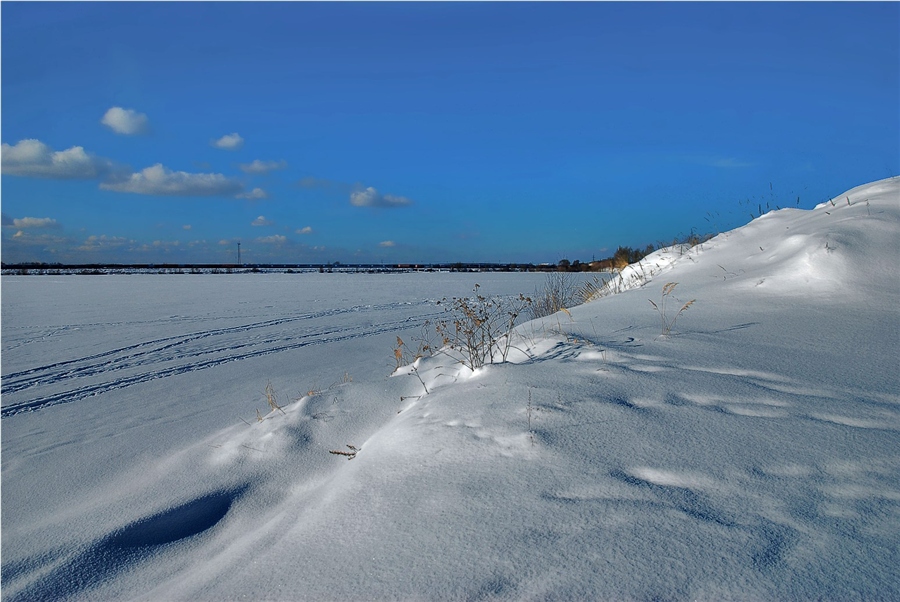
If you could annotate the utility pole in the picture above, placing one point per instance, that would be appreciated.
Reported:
(239, 253)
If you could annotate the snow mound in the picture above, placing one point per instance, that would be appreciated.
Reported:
(836, 248)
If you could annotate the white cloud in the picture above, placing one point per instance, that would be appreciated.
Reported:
(260, 167)
(125, 121)
(157, 180)
(35, 159)
(34, 222)
(305, 230)
(261, 221)
(229, 142)
(387, 243)
(275, 239)
(256, 193)
(186, 227)
(22, 238)
(96, 243)
(372, 198)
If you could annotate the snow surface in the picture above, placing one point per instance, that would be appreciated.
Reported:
(753, 453)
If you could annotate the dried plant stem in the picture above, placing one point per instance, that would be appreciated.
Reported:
(666, 322)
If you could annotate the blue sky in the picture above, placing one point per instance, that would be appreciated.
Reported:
(429, 132)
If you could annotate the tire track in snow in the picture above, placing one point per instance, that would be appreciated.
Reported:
(24, 379)
(176, 349)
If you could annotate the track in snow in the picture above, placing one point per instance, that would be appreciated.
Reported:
(177, 354)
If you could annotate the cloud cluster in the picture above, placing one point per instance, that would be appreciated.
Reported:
(35, 159)
(125, 121)
(275, 239)
(305, 230)
(255, 194)
(387, 244)
(31, 222)
(157, 180)
(104, 242)
(261, 167)
(262, 221)
(370, 197)
(231, 142)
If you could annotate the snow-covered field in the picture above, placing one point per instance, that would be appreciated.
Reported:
(753, 453)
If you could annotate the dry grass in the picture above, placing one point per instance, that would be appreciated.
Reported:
(271, 399)
(668, 323)
(560, 291)
(349, 454)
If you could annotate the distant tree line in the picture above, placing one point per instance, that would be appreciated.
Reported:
(625, 256)
(622, 257)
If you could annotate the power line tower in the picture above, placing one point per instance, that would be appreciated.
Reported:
(239, 253)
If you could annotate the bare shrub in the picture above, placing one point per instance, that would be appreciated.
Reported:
(479, 327)
(560, 291)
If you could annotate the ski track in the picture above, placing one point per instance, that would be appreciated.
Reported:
(188, 351)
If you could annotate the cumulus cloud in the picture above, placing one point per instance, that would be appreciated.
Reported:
(261, 167)
(35, 159)
(305, 230)
(256, 193)
(125, 121)
(275, 239)
(387, 243)
(186, 227)
(372, 198)
(157, 180)
(261, 221)
(30, 222)
(229, 142)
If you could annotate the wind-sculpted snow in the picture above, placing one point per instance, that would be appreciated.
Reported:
(751, 453)
(124, 548)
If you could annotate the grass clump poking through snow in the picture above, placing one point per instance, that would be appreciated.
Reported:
(271, 400)
(478, 327)
(476, 331)
(667, 322)
(593, 289)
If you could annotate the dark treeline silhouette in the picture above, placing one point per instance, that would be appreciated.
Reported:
(621, 258)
